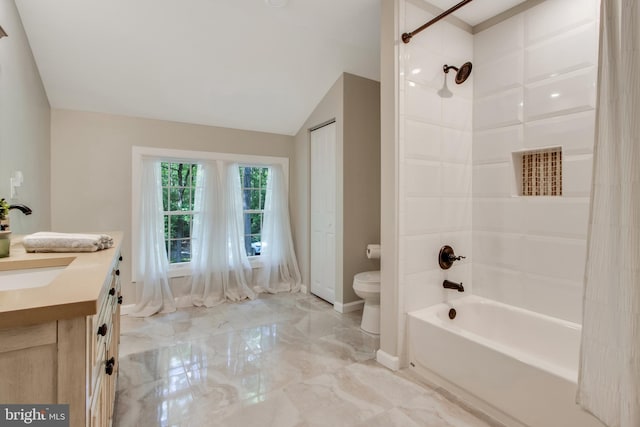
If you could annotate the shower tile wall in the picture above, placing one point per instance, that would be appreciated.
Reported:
(435, 136)
(534, 87)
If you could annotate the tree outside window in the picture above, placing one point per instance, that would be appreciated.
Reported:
(178, 198)
(178, 193)
(253, 180)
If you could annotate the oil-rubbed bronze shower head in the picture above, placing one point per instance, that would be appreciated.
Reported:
(462, 73)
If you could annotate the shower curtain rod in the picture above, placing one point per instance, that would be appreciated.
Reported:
(406, 37)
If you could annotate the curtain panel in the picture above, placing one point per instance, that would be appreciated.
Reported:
(220, 267)
(609, 375)
(279, 271)
(154, 292)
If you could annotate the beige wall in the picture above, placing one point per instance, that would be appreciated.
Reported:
(361, 184)
(91, 166)
(24, 126)
(330, 108)
(354, 103)
(389, 179)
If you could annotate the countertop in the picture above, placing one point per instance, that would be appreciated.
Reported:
(74, 292)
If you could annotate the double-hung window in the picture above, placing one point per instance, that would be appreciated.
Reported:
(253, 180)
(179, 171)
(178, 196)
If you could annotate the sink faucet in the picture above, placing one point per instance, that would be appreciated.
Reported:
(453, 285)
(22, 208)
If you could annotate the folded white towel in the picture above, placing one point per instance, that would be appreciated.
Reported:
(46, 241)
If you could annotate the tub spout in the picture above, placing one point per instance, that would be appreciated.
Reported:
(22, 208)
(453, 285)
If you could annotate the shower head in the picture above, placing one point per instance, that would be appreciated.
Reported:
(462, 73)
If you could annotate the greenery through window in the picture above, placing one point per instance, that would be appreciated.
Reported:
(178, 194)
(178, 198)
(254, 189)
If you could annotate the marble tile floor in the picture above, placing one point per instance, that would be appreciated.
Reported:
(279, 360)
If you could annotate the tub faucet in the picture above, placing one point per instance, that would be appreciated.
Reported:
(453, 285)
(22, 208)
(446, 257)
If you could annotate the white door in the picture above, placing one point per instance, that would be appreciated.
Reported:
(323, 212)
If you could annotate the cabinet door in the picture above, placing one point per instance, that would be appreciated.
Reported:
(323, 212)
(27, 364)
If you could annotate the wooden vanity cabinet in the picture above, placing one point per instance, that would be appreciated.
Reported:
(73, 361)
(104, 338)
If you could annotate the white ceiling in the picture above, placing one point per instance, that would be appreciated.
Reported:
(478, 10)
(231, 63)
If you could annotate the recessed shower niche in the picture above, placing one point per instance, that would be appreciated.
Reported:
(538, 172)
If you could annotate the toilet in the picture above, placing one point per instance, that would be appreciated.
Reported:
(367, 286)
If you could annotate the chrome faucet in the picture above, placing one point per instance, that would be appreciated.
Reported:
(22, 208)
(453, 285)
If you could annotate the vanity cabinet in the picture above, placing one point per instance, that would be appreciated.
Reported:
(68, 360)
(103, 338)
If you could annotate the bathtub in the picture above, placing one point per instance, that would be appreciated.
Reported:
(517, 366)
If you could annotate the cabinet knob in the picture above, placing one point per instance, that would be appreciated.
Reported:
(112, 291)
(117, 272)
(120, 259)
(120, 299)
(102, 330)
(109, 365)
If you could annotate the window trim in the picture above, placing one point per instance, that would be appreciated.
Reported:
(138, 153)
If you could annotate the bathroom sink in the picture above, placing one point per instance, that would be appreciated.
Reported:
(11, 280)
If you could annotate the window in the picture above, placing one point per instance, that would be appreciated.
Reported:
(253, 180)
(178, 194)
(179, 171)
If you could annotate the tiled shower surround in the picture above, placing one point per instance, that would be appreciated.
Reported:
(533, 87)
(435, 139)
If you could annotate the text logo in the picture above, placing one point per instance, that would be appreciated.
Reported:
(34, 415)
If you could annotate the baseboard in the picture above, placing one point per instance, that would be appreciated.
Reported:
(348, 307)
(387, 360)
(126, 309)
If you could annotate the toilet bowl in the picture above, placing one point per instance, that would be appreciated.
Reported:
(367, 286)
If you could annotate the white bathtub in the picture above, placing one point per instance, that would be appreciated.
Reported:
(518, 366)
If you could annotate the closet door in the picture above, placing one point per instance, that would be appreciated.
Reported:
(323, 212)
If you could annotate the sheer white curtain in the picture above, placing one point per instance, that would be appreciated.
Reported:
(609, 376)
(152, 262)
(220, 266)
(238, 278)
(280, 268)
(208, 250)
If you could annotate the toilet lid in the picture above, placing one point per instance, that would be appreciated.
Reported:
(368, 277)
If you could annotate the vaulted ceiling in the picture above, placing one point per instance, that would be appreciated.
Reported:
(233, 63)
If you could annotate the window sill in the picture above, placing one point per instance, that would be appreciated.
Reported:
(256, 262)
(179, 270)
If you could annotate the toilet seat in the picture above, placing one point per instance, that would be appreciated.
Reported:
(368, 277)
